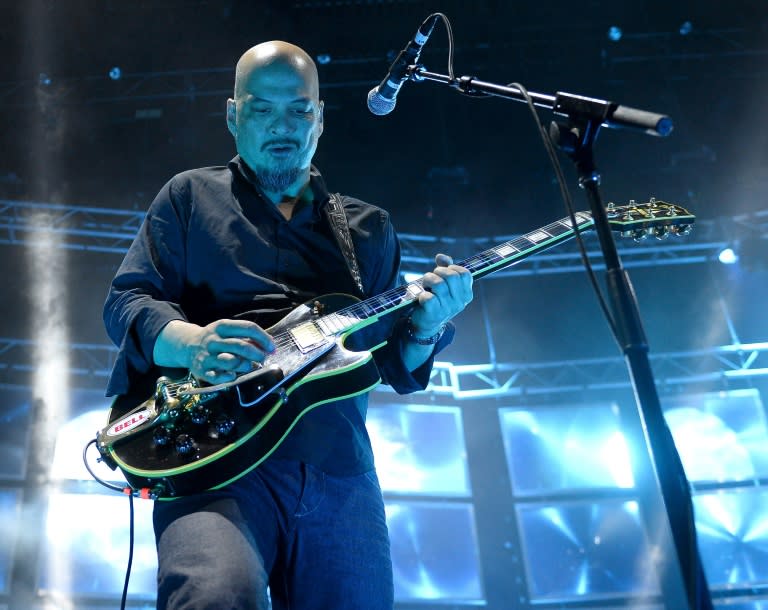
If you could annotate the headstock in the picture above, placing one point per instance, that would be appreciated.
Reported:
(653, 218)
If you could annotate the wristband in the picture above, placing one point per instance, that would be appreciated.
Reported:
(424, 340)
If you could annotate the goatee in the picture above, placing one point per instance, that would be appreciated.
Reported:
(277, 180)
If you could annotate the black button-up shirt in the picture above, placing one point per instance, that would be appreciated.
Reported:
(212, 247)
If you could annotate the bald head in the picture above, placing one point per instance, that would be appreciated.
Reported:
(276, 115)
(273, 54)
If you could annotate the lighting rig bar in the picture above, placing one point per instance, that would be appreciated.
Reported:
(108, 230)
(716, 368)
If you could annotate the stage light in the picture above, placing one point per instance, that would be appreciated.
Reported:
(323, 59)
(434, 552)
(728, 256)
(582, 550)
(10, 507)
(419, 449)
(732, 528)
(720, 436)
(44, 80)
(115, 73)
(89, 533)
(561, 449)
(686, 28)
(615, 33)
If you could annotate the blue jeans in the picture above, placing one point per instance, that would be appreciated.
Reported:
(319, 542)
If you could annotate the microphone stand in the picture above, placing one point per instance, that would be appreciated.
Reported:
(668, 516)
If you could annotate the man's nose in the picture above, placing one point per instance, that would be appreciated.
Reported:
(282, 124)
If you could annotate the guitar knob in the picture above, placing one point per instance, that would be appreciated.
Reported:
(199, 414)
(161, 437)
(185, 444)
(224, 425)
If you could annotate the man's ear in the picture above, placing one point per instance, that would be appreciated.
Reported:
(232, 117)
(320, 119)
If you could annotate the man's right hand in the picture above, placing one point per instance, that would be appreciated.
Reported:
(215, 353)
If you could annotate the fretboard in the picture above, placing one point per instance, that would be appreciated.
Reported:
(482, 264)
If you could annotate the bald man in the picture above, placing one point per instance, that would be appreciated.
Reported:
(223, 254)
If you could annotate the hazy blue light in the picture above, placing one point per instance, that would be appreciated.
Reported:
(323, 59)
(615, 33)
(728, 256)
(115, 73)
(581, 550)
(434, 551)
(557, 449)
(686, 28)
(732, 528)
(419, 449)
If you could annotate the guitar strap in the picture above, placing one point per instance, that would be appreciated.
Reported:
(338, 221)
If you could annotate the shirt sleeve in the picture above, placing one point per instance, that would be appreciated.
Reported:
(381, 270)
(145, 292)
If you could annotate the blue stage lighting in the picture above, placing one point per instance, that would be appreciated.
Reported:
(615, 33)
(686, 28)
(583, 550)
(732, 530)
(419, 449)
(562, 449)
(434, 552)
(720, 436)
(10, 501)
(115, 73)
(323, 59)
(728, 256)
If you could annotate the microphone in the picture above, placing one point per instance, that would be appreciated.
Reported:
(382, 99)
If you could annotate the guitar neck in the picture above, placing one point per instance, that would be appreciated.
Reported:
(479, 265)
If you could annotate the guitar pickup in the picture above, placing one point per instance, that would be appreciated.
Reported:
(307, 336)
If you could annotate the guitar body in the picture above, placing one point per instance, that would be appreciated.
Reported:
(232, 439)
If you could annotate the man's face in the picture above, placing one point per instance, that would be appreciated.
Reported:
(277, 120)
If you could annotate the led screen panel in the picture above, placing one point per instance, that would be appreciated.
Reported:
(732, 530)
(434, 552)
(583, 550)
(10, 508)
(419, 449)
(87, 538)
(15, 415)
(742, 604)
(720, 436)
(565, 448)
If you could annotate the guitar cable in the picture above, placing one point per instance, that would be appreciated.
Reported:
(130, 492)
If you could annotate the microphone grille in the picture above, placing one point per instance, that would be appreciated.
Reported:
(378, 104)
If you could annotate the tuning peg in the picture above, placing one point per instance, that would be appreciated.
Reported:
(639, 234)
(682, 229)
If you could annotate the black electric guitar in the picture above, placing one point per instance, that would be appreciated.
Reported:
(189, 437)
